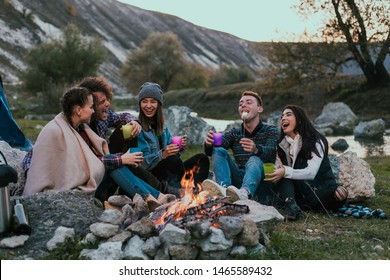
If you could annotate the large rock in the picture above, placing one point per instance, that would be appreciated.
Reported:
(354, 174)
(374, 129)
(336, 119)
(14, 158)
(48, 211)
(181, 120)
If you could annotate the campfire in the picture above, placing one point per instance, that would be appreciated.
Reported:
(194, 226)
(194, 205)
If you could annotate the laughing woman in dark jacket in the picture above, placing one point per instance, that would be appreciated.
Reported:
(303, 175)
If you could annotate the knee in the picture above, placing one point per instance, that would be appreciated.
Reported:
(254, 162)
(220, 152)
(174, 161)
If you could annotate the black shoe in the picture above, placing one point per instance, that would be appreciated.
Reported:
(167, 189)
(291, 210)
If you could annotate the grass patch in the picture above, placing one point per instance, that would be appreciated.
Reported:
(70, 250)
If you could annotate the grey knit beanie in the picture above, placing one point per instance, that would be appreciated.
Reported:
(150, 90)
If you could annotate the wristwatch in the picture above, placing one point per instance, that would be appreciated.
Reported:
(256, 151)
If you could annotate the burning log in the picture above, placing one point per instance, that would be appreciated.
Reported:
(195, 205)
(208, 211)
(160, 211)
(209, 204)
(212, 215)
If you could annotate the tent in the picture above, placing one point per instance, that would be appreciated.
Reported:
(9, 129)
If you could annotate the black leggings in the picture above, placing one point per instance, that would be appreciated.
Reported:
(172, 169)
(117, 144)
(307, 197)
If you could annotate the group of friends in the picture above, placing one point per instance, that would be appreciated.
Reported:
(78, 150)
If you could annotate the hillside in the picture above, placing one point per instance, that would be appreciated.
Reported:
(121, 27)
(222, 102)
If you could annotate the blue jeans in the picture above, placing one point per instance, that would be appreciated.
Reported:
(228, 173)
(128, 182)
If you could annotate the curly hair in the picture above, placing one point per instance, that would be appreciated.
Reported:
(97, 84)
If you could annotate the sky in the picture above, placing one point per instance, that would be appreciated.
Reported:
(253, 20)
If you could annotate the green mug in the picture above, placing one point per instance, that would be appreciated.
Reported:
(127, 130)
(268, 168)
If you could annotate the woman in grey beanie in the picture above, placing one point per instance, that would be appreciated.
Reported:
(161, 157)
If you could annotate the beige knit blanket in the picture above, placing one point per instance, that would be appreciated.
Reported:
(62, 160)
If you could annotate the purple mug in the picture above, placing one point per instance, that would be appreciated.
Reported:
(217, 139)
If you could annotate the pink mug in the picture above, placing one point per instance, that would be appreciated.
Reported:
(178, 140)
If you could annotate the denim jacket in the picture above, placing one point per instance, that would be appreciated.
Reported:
(149, 145)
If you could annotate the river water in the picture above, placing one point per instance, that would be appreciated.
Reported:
(362, 148)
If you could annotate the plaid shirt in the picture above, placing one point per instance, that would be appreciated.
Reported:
(113, 120)
(111, 161)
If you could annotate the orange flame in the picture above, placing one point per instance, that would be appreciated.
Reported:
(188, 200)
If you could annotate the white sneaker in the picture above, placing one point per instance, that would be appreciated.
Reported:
(213, 188)
(237, 194)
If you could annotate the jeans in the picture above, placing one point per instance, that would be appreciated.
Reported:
(128, 182)
(228, 173)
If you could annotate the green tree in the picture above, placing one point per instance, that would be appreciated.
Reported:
(57, 63)
(193, 76)
(159, 59)
(365, 27)
(227, 74)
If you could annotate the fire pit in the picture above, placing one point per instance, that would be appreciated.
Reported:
(194, 205)
(194, 226)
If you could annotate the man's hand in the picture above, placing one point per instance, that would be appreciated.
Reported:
(209, 141)
(248, 145)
